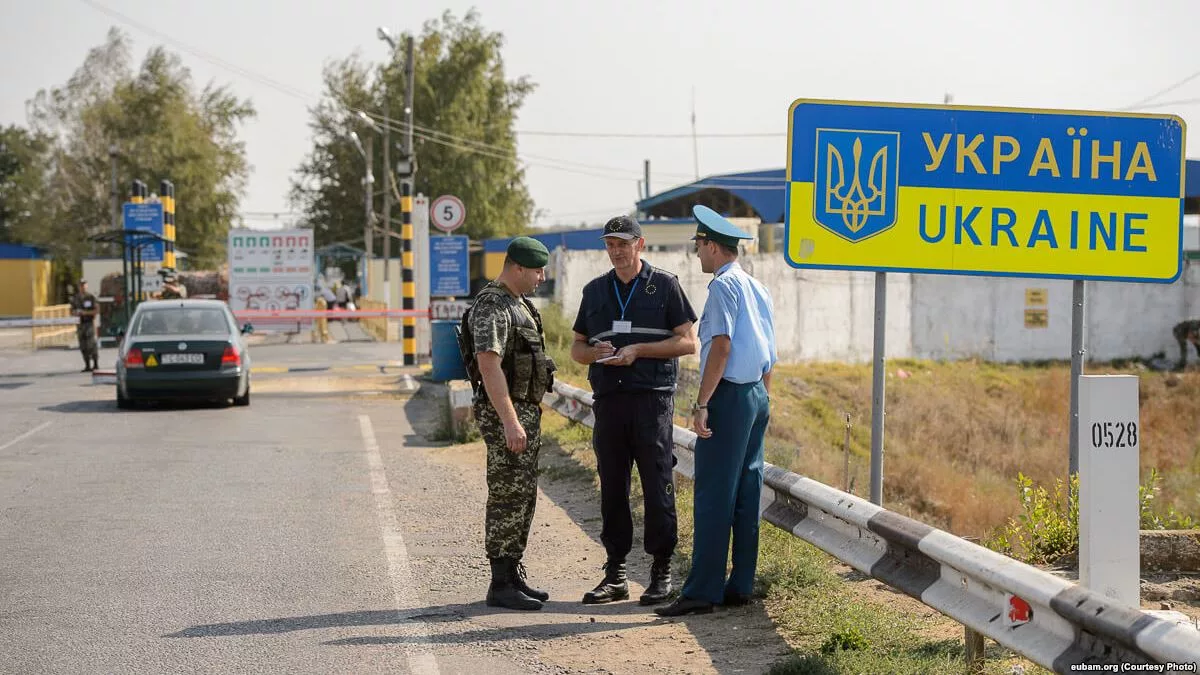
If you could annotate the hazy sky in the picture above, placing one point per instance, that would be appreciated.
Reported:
(630, 67)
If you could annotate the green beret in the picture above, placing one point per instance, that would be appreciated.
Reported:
(528, 252)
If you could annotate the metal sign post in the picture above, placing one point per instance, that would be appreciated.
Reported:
(945, 189)
(878, 378)
(1078, 349)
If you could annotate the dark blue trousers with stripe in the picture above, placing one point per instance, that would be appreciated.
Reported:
(729, 478)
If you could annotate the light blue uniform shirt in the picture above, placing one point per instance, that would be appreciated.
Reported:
(740, 307)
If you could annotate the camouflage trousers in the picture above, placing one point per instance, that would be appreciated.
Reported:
(85, 333)
(511, 479)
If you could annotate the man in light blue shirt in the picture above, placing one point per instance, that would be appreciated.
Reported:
(737, 353)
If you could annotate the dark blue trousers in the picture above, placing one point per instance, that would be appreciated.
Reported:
(729, 477)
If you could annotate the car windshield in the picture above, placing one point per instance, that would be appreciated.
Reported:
(181, 321)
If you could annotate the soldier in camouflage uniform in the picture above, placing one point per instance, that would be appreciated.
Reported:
(1185, 332)
(85, 306)
(514, 372)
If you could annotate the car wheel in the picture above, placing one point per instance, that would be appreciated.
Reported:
(122, 402)
(243, 400)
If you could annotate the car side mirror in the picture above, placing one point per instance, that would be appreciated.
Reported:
(247, 329)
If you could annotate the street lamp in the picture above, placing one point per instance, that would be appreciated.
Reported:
(385, 35)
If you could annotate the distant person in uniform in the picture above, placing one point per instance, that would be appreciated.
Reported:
(507, 363)
(1185, 332)
(86, 308)
(737, 354)
(636, 317)
(172, 288)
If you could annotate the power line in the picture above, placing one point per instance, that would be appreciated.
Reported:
(602, 134)
(1165, 104)
(1168, 89)
(443, 138)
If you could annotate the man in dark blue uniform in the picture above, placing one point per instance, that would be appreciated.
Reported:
(633, 324)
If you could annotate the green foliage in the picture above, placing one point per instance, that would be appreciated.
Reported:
(464, 111)
(845, 639)
(162, 128)
(559, 337)
(1045, 532)
(1152, 519)
(22, 180)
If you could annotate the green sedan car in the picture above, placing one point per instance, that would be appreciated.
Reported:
(183, 349)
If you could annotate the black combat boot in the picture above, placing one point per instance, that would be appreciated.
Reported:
(614, 586)
(660, 582)
(518, 581)
(502, 593)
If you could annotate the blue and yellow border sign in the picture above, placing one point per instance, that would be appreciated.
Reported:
(984, 191)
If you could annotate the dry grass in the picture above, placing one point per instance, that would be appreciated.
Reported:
(957, 433)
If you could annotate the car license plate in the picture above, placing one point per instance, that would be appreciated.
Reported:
(196, 359)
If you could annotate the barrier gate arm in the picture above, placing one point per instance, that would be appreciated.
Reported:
(1066, 624)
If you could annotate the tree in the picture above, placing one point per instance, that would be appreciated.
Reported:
(463, 115)
(22, 177)
(161, 127)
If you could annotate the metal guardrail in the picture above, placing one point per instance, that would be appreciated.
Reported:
(1051, 621)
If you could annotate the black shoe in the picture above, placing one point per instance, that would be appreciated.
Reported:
(86, 369)
(517, 578)
(614, 587)
(502, 593)
(660, 582)
(735, 599)
(685, 605)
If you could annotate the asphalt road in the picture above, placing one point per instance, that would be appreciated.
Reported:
(308, 533)
(195, 538)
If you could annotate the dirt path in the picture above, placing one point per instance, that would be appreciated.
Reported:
(440, 492)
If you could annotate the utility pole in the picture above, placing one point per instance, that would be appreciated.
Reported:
(387, 193)
(695, 147)
(646, 166)
(368, 189)
(406, 170)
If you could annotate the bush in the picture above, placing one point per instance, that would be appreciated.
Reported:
(1045, 532)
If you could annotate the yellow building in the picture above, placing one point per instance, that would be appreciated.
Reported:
(24, 280)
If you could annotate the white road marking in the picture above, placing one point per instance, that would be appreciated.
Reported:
(420, 661)
(25, 435)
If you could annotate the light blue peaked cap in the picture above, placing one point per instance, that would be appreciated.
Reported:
(714, 227)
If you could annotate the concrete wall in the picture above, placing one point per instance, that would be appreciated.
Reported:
(828, 315)
(820, 315)
(982, 317)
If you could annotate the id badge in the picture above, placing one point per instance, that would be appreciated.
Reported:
(622, 326)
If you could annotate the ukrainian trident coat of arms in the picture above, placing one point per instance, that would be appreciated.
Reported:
(856, 182)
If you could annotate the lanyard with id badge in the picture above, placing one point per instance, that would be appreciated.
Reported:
(622, 326)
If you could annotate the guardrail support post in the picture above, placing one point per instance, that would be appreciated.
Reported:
(974, 652)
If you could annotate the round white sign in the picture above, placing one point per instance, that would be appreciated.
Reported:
(447, 213)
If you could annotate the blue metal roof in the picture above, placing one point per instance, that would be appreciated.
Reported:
(21, 252)
(764, 191)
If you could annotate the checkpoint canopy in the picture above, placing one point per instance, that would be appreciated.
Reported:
(985, 191)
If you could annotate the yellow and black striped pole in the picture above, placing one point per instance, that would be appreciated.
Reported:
(167, 195)
(408, 286)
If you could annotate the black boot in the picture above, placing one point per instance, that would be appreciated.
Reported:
(502, 593)
(518, 581)
(660, 582)
(614, 586)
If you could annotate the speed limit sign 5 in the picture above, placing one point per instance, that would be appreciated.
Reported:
(447, 213)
